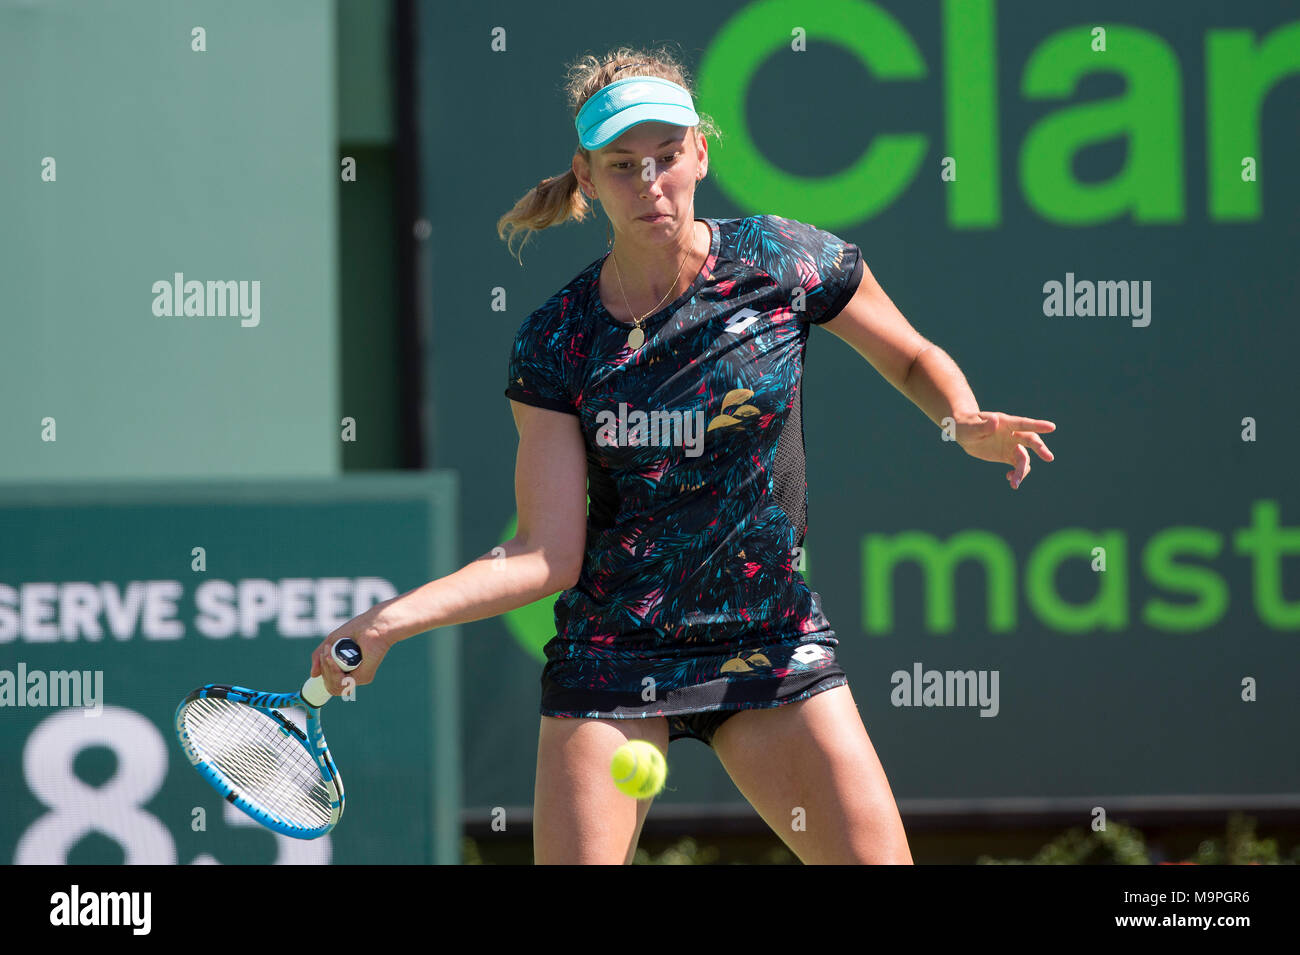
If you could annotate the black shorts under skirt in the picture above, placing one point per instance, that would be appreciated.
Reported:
(697, 687)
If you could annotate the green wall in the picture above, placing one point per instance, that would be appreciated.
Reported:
(281, 565)
(1117, 165)
(219, 165)
(368, 320)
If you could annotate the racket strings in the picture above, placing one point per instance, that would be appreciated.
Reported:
(263, 765)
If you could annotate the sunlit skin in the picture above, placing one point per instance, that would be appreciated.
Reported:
(653, 167)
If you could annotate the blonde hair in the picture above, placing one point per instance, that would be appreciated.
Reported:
(557, 199)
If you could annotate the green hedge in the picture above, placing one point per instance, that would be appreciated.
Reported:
(1119, 844)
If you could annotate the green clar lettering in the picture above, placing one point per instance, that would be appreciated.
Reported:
(761, 30)
(938, 562)
(1240, 73)
(1108, 609)
(970, 90)
(1266, 543)
(1163, 571)
(1148, 115)
(1241, 70)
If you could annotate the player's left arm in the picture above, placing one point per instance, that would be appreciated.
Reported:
(927, 375)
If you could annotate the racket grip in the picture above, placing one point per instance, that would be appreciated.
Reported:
(347, 655)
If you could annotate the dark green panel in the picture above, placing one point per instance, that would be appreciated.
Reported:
(1149, 418)
(368, 321)
(365, 71)
(342, 541)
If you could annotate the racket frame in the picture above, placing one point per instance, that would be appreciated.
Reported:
(313, 740)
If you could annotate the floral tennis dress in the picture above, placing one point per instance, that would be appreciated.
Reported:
(690, 599)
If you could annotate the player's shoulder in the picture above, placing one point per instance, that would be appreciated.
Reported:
(771, 222)
(789, 231)
(780, 246)
(765, 236)
(564, 310)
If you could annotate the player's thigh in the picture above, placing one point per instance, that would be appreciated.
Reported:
(810, 771)
(579, 816)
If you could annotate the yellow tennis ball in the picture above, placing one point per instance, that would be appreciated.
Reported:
(639, 769)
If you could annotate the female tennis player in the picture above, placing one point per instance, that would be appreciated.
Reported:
(663, 382)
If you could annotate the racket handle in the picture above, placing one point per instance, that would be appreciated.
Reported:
(347, 655)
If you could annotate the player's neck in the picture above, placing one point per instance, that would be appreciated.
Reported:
(647, 272)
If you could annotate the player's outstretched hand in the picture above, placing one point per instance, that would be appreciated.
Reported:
(1004, 438)
(369, 635)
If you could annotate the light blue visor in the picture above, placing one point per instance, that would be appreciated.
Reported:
(627, 103)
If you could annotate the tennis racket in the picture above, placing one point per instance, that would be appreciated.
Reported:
(258, 758)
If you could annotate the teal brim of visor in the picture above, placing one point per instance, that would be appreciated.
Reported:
(627, 103)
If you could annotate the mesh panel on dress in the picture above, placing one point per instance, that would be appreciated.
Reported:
(789, 482)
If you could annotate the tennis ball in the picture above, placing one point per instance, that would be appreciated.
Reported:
(639, 769)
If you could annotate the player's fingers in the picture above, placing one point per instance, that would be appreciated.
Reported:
(318, 666)
(321, 659)
(1022, 466)
(1029, 424)
(1030, 440)
(330, 670)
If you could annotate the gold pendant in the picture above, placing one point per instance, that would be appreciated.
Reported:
(635, 339)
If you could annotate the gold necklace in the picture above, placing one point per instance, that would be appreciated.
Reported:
(636, 337)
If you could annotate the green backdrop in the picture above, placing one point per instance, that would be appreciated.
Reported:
(1070, 160)
(218, 164)
(285, 564)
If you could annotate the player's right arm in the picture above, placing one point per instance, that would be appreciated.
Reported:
(543, 557)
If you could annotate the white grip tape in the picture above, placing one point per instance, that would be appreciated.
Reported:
(314, 691)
